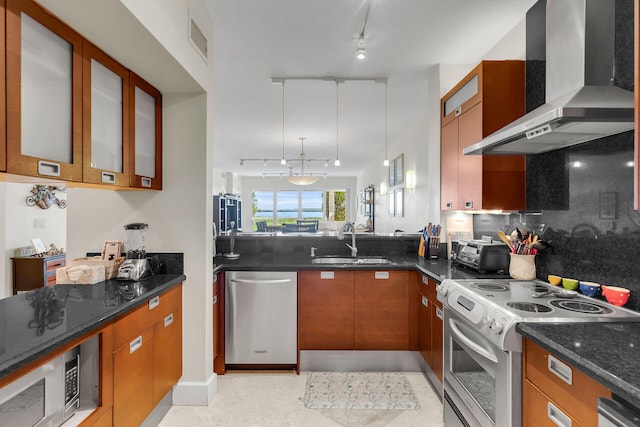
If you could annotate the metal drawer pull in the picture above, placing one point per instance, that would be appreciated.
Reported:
(215, 300)
(168, 320)
(557, 416)
(382, 275)
(559, 369)
(48, 168)
(439, 313)
(458, 111)
(327, 275)
(468, 204)
(154, 302)
(145, 182)
(135, 344)
(108, 178)
(449, 205)
(425, 279)
(425, 301)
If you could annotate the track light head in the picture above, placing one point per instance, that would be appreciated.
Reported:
(361, 51)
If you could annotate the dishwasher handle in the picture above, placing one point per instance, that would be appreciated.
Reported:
(612, 413)
(261, 281)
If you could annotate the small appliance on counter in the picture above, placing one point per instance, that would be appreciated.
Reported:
(483, 255)
(136, 265)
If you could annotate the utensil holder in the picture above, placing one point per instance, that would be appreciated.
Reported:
(522, 267)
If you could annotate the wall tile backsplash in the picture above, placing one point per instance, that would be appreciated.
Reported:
(596, 235)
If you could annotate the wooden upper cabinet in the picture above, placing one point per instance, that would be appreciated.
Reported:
(105, 119)
(145, 134)
(491, 96)
(44, 94)
(3, 92)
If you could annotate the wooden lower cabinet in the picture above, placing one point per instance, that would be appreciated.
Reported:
(381, 310)
(326, 310)
(553, 389)
(133, 380)
(430, 325)
(105, 420)
(167, 354)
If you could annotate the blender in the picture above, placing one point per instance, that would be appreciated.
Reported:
(136, 265)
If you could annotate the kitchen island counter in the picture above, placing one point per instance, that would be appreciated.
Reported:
(38, 322)
(607, 352)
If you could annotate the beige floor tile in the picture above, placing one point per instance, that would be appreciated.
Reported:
(275, 400)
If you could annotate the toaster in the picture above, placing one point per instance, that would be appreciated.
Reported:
(483, 256)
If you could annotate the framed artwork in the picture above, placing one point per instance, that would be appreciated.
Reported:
(608, 205)
(392, 173)
(399, 167)
(399, 202)
(391, 198)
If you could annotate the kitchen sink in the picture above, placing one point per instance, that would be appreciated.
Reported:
(349, 260)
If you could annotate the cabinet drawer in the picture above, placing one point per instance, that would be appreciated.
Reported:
(52, 264)
(142, 317)
(564, 384)
(51, 279)
(540, 411)
(428, 287)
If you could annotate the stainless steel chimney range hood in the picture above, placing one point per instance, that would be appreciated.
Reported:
(583, 104)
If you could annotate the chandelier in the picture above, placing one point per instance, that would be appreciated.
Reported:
(301, 178)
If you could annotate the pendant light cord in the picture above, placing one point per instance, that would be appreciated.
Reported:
(282, 122)
(386, 131)
(337, 122)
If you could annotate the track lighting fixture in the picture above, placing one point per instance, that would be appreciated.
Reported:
(361, 51)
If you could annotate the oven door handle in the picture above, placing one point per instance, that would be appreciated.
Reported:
(471, 344)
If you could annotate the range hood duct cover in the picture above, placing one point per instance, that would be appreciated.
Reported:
(582, 102)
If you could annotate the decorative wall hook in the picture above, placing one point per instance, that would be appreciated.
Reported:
(44, 196)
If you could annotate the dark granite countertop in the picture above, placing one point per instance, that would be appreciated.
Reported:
(76, 310)
(607, 352)
(439, 269)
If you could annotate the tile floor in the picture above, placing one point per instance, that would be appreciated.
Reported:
(275, 399)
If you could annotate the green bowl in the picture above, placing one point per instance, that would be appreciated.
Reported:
(571, 284)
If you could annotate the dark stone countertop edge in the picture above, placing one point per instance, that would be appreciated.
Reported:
(594, 370)
(35, 353)
(439, 269)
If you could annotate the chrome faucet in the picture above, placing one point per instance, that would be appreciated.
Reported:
(346, 227)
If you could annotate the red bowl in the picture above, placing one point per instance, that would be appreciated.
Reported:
(615, 295)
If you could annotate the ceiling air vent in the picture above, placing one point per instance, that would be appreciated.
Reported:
(197, 38)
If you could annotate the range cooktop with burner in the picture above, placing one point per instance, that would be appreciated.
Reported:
(494, 307)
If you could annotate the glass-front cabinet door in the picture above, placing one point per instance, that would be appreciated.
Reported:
(3, 92)
(44, 94)
(146, 134)
(105, 119)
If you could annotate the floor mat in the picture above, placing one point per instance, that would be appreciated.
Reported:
(359, 390)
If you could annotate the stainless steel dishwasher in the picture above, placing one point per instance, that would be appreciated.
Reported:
(261, 318)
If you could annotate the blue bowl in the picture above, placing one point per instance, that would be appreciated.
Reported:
(589, 289)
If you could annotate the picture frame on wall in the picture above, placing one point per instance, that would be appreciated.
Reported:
(399, 203)
(399, 169)
(391, 199)
(392, 174)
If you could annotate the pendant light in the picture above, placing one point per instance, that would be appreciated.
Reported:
(386, 132)
(301, 178)
(337, 162)
(283, 161)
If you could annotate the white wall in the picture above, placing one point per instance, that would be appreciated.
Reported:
(18, 225)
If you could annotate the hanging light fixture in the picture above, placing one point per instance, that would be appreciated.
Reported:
(361, 51)
(386, 132)
(283, 161)
(337, 162)
(301, 178)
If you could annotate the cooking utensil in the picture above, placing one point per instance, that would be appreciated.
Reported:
(504, 239)
(558, 292)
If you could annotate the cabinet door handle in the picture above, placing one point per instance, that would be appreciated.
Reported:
(135, 344)
(425, 301)
(168, 320)
(215, 300)
(108, 178)
(560, 370)
(382, 275)
(328, 275)
(439, 313)
(468, 204)
(458, 111)
(449, 205)
(425, 279)
(145, 182)
(557, 416)
(154, 302)
(48, 168)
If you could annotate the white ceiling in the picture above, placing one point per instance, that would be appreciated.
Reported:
(255, 40)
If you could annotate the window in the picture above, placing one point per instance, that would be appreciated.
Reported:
(279, 207)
